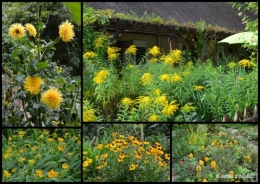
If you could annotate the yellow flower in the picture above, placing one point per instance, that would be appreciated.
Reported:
(33, 84)
(244, 63)
(98, 167)
(176, 55)
(31, 29)
(100, 76)
(235, 141)
(146, 79)
(133, 167)
(214, 164)
(88, 114)
(168, 59)
(189, 65)
(99, 42)
(231, 173)
(7, 174)
(131, 50)
(176, 78)
(13, 170)
(58, 69)
(188, 108)
(126, 101)
(52, 174)
(89, 55)
(198, 168)
(32, 161)
(17, 30)
(66, 31)
(52, 98)
(104, 163)
(61, 148)
(22, 133)
(190, 155)
(201, 163)
(166, 77)
(157, 91)
(206, 159)
(169, 109)
(167, 156)
(204, 180)
(39, 173)
(240, 78)
(65, 166)
(169, 178)
(154, 51)
(143, 101)
(231, 64)
(153, 118)
(112, 53)
(162, 100)
(197, 88)
(154, 60)
(60, 139)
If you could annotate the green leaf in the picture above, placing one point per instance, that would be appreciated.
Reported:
(48, 120)
(20, 94)
(42, 65)
(78, 107)
(36, 106)
(75, 10)
(20, 78)
(40, 25)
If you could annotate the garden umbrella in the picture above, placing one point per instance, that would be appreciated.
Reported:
(241, 38)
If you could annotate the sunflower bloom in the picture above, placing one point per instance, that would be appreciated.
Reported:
(133, 167)
(17, 30)
(52, 174)
(66, 31)
(131, 50)
(52, 98)
(31, 29)
(33, 84)
(153, 118)
(146, 79)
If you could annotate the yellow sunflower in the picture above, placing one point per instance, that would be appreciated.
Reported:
(33, 84)
(66, 31)
(17, 31)
(52, 98)
(31, 29)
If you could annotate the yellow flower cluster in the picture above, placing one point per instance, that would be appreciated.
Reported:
(88, 114)
(52, 173)
(231, 64)
(89, 55)
(131, 50)
(198, 88)
(155, 51)
(213, 164)
(170, 108)
(112, 53)
(187, 108)
(146, 79)
(99, 42)
(127, 101)
(100, 76)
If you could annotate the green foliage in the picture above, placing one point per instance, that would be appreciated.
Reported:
(232, 153)
(41, 150)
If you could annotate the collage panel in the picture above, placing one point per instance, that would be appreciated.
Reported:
(41, 155)
(41, 61)
(215, 152)
(126, 152)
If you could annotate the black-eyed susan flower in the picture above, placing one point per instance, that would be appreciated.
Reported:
(66, 31)
(17, 30)
(167, 156)
(31, 29)
(52, 98)
(33, 84)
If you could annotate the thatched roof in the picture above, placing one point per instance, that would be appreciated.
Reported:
(219, 14)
